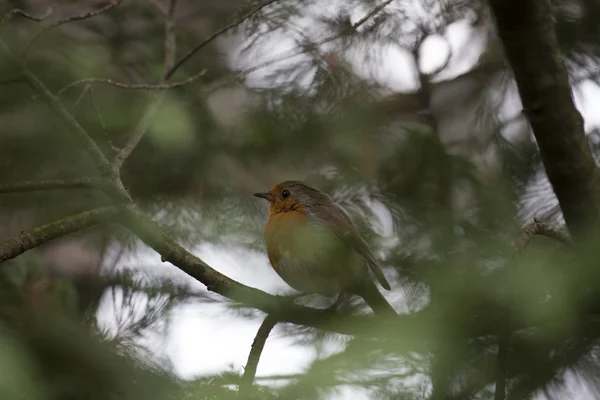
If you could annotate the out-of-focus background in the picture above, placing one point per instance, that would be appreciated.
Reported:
(405, 112)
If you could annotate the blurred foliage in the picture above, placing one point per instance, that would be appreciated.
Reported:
(436, 165)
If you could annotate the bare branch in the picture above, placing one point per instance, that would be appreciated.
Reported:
(101, 119)
(138, 133)
(53, 184)
(85, 91)
(212, 37)
(526, 29)
(25, 15)
(45, 233)
(254, 357)
(71, 18)
(89, 144)
(160, 86)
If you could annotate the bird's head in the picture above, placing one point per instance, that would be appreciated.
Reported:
(293, 196)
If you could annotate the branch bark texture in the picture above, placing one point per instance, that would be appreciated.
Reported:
(45, 233)
(255, 352)
(526, 30)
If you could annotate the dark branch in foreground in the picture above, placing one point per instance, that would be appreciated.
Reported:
(254, 356)
(526, 29)
(53, 230)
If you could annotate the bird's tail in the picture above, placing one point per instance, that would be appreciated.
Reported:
(375, 300)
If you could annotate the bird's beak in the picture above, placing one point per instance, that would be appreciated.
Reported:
(267, 196)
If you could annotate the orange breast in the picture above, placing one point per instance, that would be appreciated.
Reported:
(280, 226)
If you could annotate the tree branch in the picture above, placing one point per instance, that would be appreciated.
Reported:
(160, 86)
(169, 73)
(71, 18)
(52, 184)
(25, 15)
(90, 146)
(527, 32)
(45, 233)
(255, 352)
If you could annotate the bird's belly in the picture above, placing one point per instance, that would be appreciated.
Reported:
(315, 261)
(309, 278)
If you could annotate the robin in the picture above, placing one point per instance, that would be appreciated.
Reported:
(314, 246)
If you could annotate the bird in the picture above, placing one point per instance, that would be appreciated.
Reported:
(315, 247)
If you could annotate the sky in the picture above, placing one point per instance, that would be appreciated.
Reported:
(204, 339)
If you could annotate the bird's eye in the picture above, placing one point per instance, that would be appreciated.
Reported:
(285, 193)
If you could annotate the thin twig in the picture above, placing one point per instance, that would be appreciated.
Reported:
(54, 184)
(212, 37)
(160, 86)
(88, 90)
(144, 123)
(138, 133)
(90, 146)
(71, 18)
(254, 356)
(376, 10)
(45, 233)
(85, 90)
(100, 119)
(25, 15)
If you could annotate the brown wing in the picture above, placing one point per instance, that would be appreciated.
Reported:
(342, 225)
